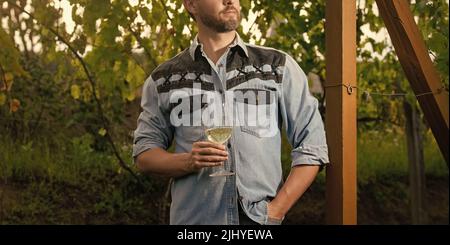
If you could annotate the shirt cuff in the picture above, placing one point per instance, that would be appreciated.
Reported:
(310, 155)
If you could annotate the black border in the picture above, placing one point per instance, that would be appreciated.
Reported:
(64, 234)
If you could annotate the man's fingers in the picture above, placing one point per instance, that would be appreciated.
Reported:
(204, 144)
(208, 154)
(211, 151)
(209, 158)
(209, 164)
(208, 148)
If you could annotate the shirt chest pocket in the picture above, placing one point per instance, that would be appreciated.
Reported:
(256, 109)
(186, 115)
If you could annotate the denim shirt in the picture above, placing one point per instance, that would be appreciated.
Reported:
(281, 88)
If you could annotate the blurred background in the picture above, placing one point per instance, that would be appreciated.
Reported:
(71, 73)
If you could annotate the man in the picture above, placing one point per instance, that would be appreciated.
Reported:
(219, 62)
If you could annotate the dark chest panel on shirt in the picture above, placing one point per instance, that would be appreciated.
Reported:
(183, 64)
(257, 58)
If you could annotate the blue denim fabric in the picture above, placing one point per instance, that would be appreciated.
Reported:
(254, 155)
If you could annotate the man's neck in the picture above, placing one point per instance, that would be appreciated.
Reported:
(215, 44)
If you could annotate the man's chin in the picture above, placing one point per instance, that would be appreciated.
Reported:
(228, 29)
(223, 25)
(231, 25)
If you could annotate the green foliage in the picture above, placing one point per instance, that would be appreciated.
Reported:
(9, 56)
(383, 153)
(71, 185)
(433, 23)
(380, 71)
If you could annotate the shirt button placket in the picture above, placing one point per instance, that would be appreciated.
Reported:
(231, 219)
(222, 74)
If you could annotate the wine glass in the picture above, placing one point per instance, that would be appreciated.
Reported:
(219, 135)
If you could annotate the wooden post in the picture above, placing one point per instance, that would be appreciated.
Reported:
(340, 118)
(418, 67)
(417, 188)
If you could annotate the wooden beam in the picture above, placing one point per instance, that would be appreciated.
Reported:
(417, 186)
(340, 118)
(418, 67)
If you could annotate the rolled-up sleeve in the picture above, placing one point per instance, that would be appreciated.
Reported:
(153, 125)
(301, 117)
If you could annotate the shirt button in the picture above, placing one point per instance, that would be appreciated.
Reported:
(229, 145)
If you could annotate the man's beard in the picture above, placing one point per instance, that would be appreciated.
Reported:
(218, 25)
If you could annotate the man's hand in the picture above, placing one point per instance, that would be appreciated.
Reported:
(274, 212)
(206, 154)
(203, 154)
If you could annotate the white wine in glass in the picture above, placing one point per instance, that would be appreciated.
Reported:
(219, 135)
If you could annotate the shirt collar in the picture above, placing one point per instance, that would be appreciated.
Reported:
(236, 42)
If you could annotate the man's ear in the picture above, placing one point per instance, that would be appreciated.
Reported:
(189, 6)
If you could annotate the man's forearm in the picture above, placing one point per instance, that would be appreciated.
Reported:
(298, 181)
(203, 154)
(161, 162)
